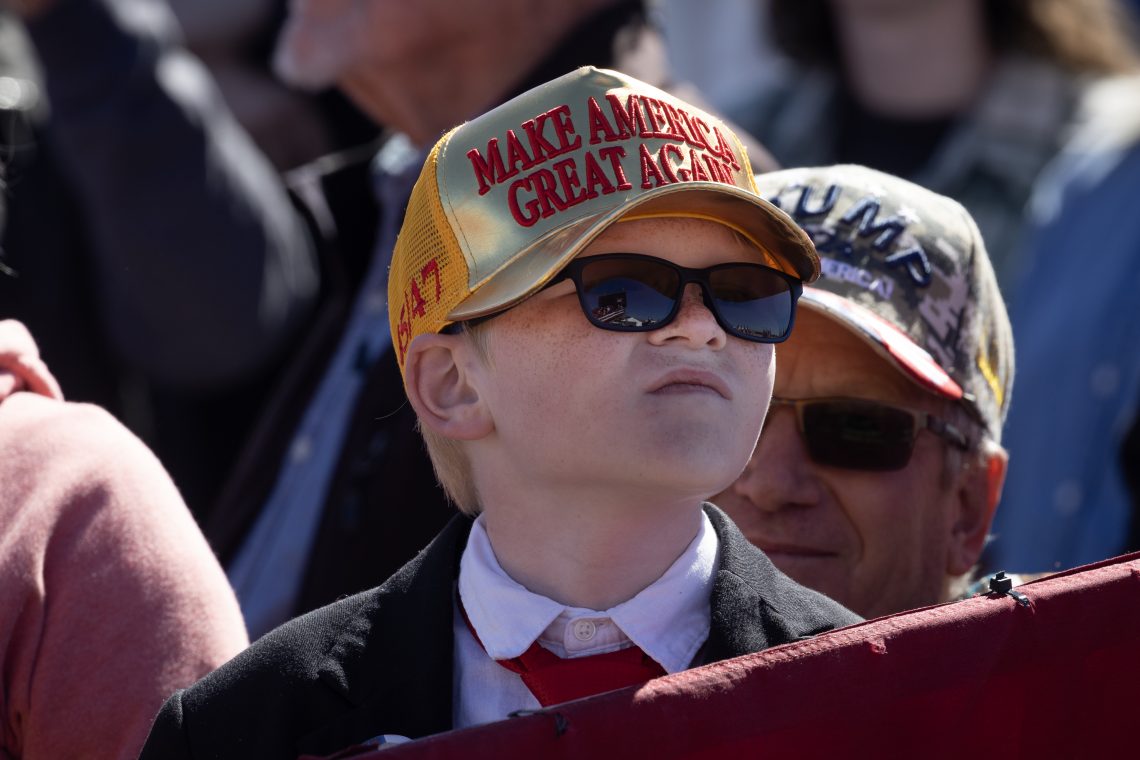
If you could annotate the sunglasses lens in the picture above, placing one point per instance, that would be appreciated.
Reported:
(631, 292)
(858, 436)
(754, 302)
(628, 294)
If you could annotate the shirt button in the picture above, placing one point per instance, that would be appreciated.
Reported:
(584, 630)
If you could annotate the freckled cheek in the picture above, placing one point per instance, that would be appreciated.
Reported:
(757, 356)
(540, 376)
(759, 374)
(764, 356)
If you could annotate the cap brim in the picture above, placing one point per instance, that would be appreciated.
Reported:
(887, 340)
(786, 246)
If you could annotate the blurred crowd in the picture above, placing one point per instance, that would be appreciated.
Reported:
(200, 201)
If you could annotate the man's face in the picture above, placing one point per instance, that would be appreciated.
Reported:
(878, 542)
(672, 413)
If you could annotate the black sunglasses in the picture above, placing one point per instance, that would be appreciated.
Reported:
(857, 434)
(632, 292)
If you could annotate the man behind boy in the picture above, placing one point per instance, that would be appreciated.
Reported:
(880, 467)
(583, 301)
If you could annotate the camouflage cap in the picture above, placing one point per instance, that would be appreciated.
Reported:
(906, 270)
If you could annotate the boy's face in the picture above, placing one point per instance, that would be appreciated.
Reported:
(676, 410)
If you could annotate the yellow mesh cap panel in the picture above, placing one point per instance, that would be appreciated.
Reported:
(429, 273)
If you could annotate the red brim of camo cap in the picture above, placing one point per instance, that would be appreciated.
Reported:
(907, 271)
(505, 201)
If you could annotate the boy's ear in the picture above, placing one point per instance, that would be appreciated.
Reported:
(441, 387)
(979, 491)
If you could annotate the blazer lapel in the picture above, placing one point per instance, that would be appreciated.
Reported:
(393, 663)
(755, 606)
(739, 622)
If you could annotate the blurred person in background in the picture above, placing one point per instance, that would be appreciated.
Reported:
(151, 248)
(234, 39)
(970, 98)
(880, 463)
(741, 58)
(319, 504)
(110, 599)
(1077, 326)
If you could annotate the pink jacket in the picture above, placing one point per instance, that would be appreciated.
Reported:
(110, 599)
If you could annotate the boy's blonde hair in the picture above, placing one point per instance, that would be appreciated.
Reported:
(452, 470)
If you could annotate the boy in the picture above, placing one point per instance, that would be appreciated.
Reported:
(583, 299)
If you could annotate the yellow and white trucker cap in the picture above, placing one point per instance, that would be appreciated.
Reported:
(507, 200)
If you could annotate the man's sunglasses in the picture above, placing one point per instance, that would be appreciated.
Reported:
(856, 434)
(631, 292)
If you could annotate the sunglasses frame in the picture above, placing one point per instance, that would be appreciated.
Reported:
(920, 421)
(573, 272)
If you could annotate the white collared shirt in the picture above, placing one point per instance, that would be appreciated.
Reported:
(669, 620)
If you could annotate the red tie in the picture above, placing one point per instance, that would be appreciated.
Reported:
(552, 679)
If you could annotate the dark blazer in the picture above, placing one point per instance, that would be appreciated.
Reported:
(380, 662)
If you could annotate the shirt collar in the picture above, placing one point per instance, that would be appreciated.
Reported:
(669, 619)
(394, 170)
